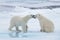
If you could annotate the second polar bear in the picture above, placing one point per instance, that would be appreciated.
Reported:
(46, 25)
(20, 21)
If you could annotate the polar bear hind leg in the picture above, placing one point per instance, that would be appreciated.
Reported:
(17, 28)
(10, 28)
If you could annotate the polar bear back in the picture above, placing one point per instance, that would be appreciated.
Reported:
(16, 20)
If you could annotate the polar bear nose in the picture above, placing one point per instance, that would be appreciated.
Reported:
(33, 16)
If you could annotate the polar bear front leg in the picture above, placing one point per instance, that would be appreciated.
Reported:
(24, 28)
(42, 30)
(42, 27)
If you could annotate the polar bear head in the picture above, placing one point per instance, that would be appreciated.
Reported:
(39, 16)
(30, 16)
(33, 16)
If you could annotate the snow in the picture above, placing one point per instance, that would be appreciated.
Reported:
(33, 24)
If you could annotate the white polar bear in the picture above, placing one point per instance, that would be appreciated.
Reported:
(20, 21)
(46, 25)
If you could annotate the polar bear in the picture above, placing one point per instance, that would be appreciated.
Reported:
(17, 21)
(46, 24)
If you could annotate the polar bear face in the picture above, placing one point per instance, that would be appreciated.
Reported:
(33, 16)
(39, 16)
(30, 16)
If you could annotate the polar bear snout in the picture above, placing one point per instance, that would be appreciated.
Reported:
(33, 16)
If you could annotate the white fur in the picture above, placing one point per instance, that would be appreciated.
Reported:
(46, 25)
(19, 21)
